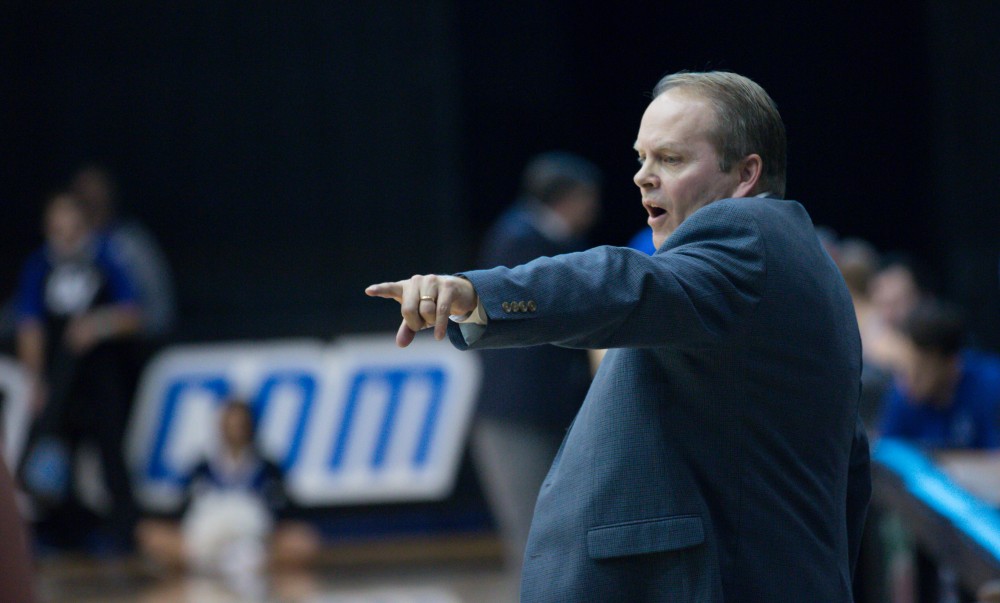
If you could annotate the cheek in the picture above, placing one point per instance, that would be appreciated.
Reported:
(687, 196)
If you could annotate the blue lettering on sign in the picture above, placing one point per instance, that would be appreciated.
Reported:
(220, 387)
(396, 380)
(306, 384)
(217, 385)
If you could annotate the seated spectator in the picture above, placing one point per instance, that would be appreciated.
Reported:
(893, 293)
(858, 261)
(232, 522)
(947, 397)
(896, 290)
(76, 326)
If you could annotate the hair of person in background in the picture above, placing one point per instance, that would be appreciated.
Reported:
(858, 261)
(98, 189)
(936, 326)
(936, 331)
(923, 277)
(747, 122)
(549, 176)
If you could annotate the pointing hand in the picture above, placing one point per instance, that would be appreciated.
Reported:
(426, 301)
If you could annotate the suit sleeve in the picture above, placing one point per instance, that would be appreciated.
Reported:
(859, 491)
(700, 288)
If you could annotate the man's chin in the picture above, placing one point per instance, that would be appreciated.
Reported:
(659, 238)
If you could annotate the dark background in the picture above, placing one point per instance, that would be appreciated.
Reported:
(287, 154)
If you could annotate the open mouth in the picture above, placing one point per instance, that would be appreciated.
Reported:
(656, 213)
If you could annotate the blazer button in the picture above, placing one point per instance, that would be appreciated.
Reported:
(522, 307)
(505, 306)
(532, 306)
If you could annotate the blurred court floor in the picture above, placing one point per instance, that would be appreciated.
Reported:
(463, 570)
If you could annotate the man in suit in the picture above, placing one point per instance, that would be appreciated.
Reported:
(529, 397)
(718, 455)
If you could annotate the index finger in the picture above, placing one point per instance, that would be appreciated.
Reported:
(387, 290)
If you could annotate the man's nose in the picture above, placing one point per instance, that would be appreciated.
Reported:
(643, 178)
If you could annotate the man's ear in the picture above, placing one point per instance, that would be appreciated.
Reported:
(749, 171)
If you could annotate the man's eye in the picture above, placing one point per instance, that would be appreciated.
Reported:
(671, 159)
(640, 159)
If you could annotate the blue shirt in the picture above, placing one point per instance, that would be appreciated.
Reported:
(643, 241)
(971, 420)
(55, 287)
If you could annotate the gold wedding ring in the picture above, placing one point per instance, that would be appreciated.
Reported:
(426, 298)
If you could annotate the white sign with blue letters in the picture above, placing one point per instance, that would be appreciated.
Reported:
(357, 421)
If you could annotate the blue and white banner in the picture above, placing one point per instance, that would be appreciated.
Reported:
(357, 421)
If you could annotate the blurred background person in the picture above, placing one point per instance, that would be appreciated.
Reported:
(896, 289)
(858, 262)
(529, 396)
(893, 291)
(133, 246)
(830, 241)
(76, 327)
(947, 396)
(236, 515)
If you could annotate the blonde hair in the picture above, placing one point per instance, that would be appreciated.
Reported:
(747, 121)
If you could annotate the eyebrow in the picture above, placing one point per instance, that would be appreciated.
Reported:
(663, 145)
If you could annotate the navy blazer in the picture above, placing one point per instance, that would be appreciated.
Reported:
(718, 455)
